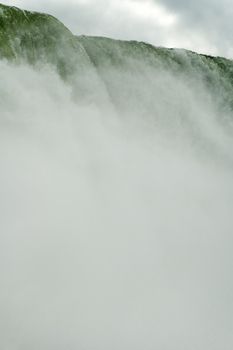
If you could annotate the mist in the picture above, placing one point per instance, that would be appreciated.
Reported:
(116, 217)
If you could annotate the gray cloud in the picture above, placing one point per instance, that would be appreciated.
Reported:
(211, 19)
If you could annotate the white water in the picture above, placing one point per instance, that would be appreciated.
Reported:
(116, 230)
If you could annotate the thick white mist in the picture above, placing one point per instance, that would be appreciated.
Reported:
(116, 228)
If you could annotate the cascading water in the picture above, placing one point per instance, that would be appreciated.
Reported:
(116, 204)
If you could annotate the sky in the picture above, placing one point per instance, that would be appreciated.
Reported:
(202, 26)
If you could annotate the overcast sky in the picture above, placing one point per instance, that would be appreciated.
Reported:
(200, 25)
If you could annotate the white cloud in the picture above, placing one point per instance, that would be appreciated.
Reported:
(146, 10)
